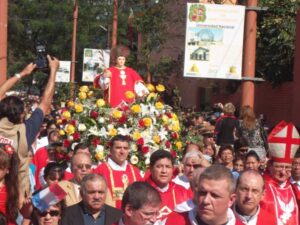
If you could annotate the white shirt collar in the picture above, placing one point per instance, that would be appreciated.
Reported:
(164, 189)
(251, 221)
(116, 166)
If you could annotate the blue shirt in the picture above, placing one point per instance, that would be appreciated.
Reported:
(90, 220)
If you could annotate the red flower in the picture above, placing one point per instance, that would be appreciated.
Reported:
(73, 122)
(76, 136)
(123, 118)
(60, 156)
(174, 135)
(96, 141)
(94, 114)
(169, 115)
(141, 123)
(168, 144)
(63, 121)
(145, 149)
(166, 127)
(66, 143)
(173, 153)
(140, 141)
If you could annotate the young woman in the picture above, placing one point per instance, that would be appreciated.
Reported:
(9, 192)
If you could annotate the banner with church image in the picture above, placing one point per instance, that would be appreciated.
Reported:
(214, 41)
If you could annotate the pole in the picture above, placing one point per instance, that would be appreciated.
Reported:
(249, 55)
(3, 39)
(75, 16)
(114, 25)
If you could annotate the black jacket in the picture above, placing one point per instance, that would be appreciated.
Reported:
(73, 215)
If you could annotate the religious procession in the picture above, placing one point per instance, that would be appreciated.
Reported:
(154, 121)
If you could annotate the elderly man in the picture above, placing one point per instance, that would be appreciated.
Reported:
(249, 192)
(161, 170)
(213, 198)
(117, 170)
(81, 165)
(92, 209)
(279, 198)
(141, 203)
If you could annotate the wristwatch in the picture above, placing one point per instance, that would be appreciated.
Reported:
(17, 75)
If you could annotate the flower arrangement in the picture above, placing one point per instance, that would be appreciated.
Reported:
(150, 123)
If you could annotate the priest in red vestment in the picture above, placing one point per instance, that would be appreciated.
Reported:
(279, 198)
(116, 81)
(161, 169)
(118, 172)
(249, 192)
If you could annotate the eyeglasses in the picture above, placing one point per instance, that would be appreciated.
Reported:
(51, 213)
(195, 166)
(281, 167)
(86, 166)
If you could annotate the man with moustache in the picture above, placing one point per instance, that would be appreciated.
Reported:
(249, 192)
(92, 210)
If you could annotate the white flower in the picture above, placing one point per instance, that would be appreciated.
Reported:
(93, 131)
(134, 159)
(103, 132)
(101, 120)
(74, 145)
(99, 148)
(70, 138)
(81, 127)
(163, 133)
(147, 161)
(133, 147)
(124, 131)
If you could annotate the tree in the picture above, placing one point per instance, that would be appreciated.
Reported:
(276, 40)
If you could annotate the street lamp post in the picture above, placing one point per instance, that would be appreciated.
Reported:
(3, 39)
(75, 16)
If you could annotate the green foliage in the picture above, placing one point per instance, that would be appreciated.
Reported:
(276, 40)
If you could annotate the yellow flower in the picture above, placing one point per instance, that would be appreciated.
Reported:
(59, 121)
(100, 102)
(136, 108)
(84, 88)
(82, 95)
(112, 132)
(78, 108)
(61, 132)
(129, 94)
(136, 135)
(156, 139)
(66, 115)
(117, 114)
(99, 155)
(175, 127)
(70, 104)
(174, 116)
(147, 121)
(70, 129)
(165, 119)
(178, 145)
(160, 88)
(90, 94)
(151, 96)
(159, 105)
(150, 87)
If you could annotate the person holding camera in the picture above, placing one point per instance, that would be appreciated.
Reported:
(17, 131)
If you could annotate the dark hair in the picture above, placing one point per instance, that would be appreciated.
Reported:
(240, 143)
(226, 147)
(34, 218)
(160, 154)
(297, 155)
(119, 137)
(54, 167)
(91, 177)
(11, 181)
(218, 172)
(253, 154)
(139, 194)
(3, 219)
(12, 108)
(80, 146)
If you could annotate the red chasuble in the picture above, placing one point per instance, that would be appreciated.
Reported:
(280, 201)
(173, 196)
(122, 80)
(117, 181)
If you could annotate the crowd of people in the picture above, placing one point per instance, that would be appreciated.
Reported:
(233, 174)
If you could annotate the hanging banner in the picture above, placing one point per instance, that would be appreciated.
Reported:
(64, 72)
(214, 41)
(94, 62)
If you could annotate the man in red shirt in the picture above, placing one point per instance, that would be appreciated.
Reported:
(118, 172)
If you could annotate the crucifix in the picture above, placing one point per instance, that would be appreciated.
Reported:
(123, 77)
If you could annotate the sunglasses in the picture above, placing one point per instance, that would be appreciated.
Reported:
(86, 166)
(51, 212)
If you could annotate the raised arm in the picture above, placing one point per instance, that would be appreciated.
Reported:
(8, 84)
(50, 87)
